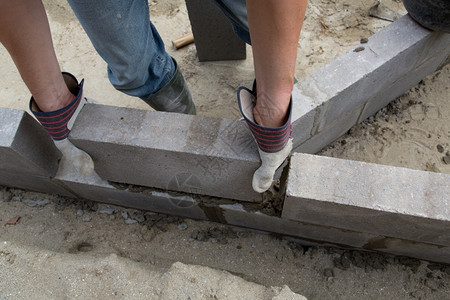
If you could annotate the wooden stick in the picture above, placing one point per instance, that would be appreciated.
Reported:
(183, 41)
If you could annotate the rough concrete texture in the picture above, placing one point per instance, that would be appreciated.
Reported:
(94, 188)
(395, 59)
(25, 147)
(169, 151)
(382, 200)
(213, 34)
(316, 234)
(33, 183)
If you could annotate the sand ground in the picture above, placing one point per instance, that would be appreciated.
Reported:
(64, 248)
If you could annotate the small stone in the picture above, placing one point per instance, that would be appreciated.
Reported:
(124, 215)
(359, 49)
(80, 213)
(37, 203)
(137, 215)
(364, 40)
(87, 219)
(440, 148)
(130, 221)
(182, 226)
(106, 209)
(446, 159)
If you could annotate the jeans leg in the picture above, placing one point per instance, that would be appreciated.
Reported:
(236, 12)
(123, 35)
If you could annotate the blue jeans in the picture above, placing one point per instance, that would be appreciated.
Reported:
(123, 35)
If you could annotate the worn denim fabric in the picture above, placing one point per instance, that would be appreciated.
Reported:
(124, 36)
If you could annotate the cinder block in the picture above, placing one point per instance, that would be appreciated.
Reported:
(382, 200)
(25, 147)
(393, 61)
(33, 183)
(169, 151)
(213, 35)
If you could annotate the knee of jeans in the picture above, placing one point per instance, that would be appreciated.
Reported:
(139, 79)
(127, 77)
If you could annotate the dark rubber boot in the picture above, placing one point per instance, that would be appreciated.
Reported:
(174, 96)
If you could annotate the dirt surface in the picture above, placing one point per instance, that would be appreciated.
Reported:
(65, 248)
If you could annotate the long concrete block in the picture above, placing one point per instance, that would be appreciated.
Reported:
(361, 82)
(169, 151)
(25, 147)
(382, 200)
(33, 183)
(94, 188)
(314, 234)
(213, 34)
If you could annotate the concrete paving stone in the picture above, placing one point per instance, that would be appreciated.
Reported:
(383, 200)
(169, 151)
(25, 147)
(390, 55)
(304, 114)
(430, 252)
(397, 88)
(329, 134)
(393, 61)
(213, 34)
(94, 188)
(238, 215)
(33, 183)
(155, 201)
(313, 234)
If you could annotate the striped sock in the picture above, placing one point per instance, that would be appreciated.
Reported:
(269, 139)
(58, 123)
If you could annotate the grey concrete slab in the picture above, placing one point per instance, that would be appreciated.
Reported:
(33, 183)
(25, 147)
(314, 234)
(389, 201)
(94, 188)
(327, 135)
(393, 61)
(169, 151)
(397, 88)
(213, 35)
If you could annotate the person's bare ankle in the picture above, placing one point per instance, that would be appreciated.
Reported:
(62, 101)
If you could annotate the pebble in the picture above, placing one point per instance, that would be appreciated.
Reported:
(359, 49)
(182, 226)
(105, 209)
(440, 148)
(446, 159)
(80, 213)
(38, 202)
(130, 221)
(87, 219)
(364, 40)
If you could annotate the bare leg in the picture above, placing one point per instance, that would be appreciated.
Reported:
(274, 30)
(25, 33)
